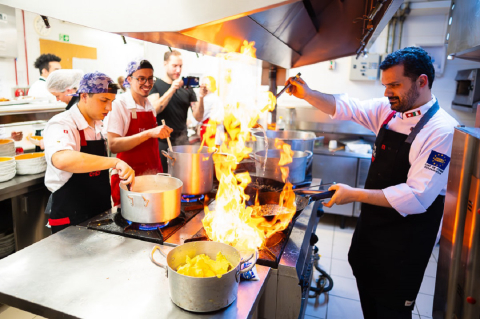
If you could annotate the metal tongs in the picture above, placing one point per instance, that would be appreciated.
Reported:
(287, 86)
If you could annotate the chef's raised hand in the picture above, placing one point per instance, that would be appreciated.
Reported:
(162, 131)
(298, 87)
(126, 173)
(178, 83)
(344, 194)
(203, 91)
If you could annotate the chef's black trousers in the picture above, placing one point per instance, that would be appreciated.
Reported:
(374, 310)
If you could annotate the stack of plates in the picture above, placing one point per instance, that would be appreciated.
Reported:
(7, 168)
(7, 244)
(32, 163)
(7, 147)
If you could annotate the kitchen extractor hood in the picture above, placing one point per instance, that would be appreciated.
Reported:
(463, 34)
(286, 33)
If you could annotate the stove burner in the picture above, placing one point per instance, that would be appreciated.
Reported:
(150, 226)
(191, 198)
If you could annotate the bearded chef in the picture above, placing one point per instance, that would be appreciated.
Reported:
(132, 126)
(76, 154)
(403, 199)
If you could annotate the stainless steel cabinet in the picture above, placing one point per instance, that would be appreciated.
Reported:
(362, 172)
(337, 169)
(29, 217)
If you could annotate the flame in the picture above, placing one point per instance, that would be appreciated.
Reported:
(231, 221)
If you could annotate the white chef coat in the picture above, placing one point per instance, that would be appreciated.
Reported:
(39, 90)
(423, 184)
(62, 133)
(213, 109)
(118, 120)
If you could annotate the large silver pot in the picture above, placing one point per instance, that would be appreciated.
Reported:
(297, 168)
(202, 294)
(193, 168)
(300, 141)
(154, 199)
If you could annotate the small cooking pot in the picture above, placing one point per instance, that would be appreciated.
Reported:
(297, 168)
(193, 166)
(202, 294)
(154, 199)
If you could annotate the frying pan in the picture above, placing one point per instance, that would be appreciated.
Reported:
(269, 202)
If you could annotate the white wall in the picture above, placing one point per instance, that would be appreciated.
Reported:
(418, 30)
(112, 54)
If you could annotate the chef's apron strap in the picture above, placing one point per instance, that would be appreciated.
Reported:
(389, 118)
(423, 121)
(83, 140)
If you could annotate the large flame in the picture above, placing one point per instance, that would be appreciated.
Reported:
(231, 221)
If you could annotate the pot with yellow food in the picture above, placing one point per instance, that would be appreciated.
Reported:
(203, 276)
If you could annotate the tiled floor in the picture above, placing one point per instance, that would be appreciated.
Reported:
(343, 301)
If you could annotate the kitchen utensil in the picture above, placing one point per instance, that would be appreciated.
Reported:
(168, 138)
(202, 294)
(298, 140)
(154, 199)
(287, 86)
(192, 166)
(297, 168)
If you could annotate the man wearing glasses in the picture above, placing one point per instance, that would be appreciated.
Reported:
(132, 127)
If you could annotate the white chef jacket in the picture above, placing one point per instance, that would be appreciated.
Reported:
(62, 133)
(423, 184)
(118, 120)
(39, 90)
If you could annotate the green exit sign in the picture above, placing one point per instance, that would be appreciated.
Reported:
(64, 37)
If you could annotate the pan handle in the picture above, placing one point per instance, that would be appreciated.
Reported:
(252, 156)
(253, 262)
(155, 248)
(309, 158)
(164, 174)
(324, 195)
(168, 156)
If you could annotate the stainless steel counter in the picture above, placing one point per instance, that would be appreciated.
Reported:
(20, 184)
(82, 273)
(30, 112)
(324, 150)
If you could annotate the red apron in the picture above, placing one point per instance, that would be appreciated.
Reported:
(144, 158)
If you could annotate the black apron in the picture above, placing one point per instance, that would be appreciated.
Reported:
(389, 253)
(84, 195)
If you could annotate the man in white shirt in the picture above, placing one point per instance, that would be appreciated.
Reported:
(403, 199)
(132, 127)
(213, 110)
(77, 163)
(46, 64)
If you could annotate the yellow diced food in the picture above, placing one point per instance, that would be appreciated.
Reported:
(203, 266)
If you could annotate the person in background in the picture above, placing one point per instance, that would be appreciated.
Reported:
(120, 81)
(403, 199)
(46, 64)
(213, 109)
(63, 83)
(75, 150)
(132, 127)
(171, 102)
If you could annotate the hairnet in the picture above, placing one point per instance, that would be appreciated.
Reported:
(62, 80)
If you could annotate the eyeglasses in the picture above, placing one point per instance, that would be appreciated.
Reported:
(141, 80)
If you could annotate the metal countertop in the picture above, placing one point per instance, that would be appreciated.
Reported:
(82, 273)
(20, 184)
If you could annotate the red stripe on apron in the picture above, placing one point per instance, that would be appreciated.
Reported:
(59, 221)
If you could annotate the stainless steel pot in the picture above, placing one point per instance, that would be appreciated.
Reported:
(202, 294)
(300, 141)
(154, 199)
(193, 168)
(297, 168)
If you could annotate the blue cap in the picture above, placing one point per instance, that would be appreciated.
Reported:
(95, 82)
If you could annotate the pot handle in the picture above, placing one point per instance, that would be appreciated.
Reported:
(155, 248)
(309, 158)
(164, 174)
(253, 157)
(252, 265)
(168, 156)
(132, 202)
